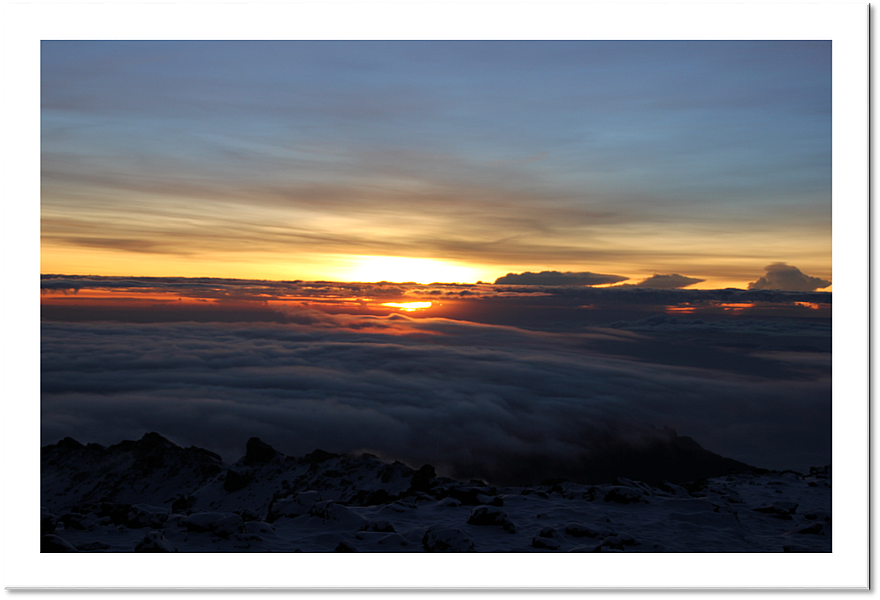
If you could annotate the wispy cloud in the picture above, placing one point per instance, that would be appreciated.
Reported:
(617, 157)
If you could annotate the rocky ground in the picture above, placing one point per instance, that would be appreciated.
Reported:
(151, 495)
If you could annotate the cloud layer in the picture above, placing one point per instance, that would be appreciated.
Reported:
(471, 399)
(557, 278)
(667, 282)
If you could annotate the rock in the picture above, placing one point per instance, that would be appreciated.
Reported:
(490, 500)
(258, 452)
(48, 521)
(54, 543)
(624, 495)
(613, 542)
(446, 539)
(234, 481)
(547, 532)
(183, 504)
(791, 507)
(116, 511)
(345, 546)
(818, 515)
(77, 521)
(469, 496)
(258, 528)
(248, 514)
(392, 540)
(318, 456)
(811, 529)
(383, 526)
(338, 513)
(154, 541)
(545, 543)
(423, 479)
(92, 547)
(226, 526)
(371, 498)
(491, 516)
(222, 524)
(796, 548)
(675, 490)
(144, 515)
(578, 530)
(779, 510)
(293, 506)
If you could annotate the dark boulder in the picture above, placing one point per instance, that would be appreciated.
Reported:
(345, 546)
(491, 516)
(423, 479)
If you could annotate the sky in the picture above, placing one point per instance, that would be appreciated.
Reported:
(705, 163)
(659, 165)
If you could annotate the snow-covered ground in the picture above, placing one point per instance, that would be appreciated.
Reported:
(152, 495)
(360, 522)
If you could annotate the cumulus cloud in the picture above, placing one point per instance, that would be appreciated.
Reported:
(780, 276)
(666, 282)
(558, 278)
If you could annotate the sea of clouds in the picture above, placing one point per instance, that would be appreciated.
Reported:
(473, 399)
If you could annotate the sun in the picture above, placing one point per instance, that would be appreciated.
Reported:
(403, 269)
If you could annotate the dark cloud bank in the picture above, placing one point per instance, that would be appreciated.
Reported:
(667, 282)
(557, 278)
(475, 400)
(664, 282)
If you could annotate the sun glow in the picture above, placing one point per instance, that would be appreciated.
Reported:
(400, 269)
(408, 306)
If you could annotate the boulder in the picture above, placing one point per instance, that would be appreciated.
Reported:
(423, 479)
(545, 543)
(578, 530)
(624, 494)
(154, 541)
(446, 539)
(491, 516)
